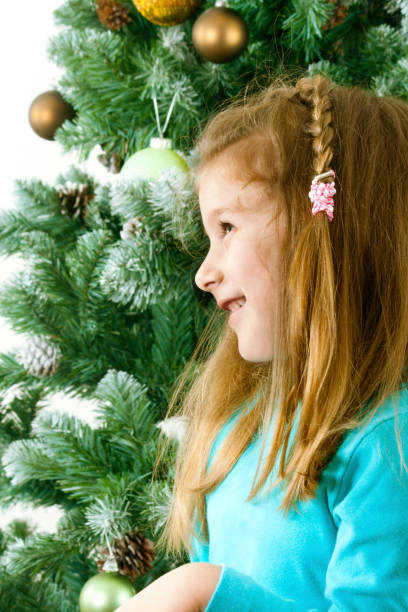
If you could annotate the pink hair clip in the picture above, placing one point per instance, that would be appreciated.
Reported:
(321, 194)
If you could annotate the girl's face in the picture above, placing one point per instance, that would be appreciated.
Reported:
(242, 268)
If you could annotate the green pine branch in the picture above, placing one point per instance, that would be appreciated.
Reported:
(304, 25)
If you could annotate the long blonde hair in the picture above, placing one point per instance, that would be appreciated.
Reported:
(344, 332)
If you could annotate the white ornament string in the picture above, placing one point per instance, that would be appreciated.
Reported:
(110, 564)
(156, 110)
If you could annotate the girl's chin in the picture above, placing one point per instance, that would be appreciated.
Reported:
(253, 353)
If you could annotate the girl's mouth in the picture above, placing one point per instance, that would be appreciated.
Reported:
(237, 304)
(236, 309)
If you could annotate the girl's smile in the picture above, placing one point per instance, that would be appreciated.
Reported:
(242, 269)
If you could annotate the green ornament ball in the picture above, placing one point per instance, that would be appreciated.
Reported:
(150, 162)
(105, 592)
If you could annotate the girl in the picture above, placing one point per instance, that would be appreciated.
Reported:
(291, 485)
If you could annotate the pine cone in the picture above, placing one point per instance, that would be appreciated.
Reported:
(113, 15)
(339, 15)
(101, 562)
(39, 357)
(112, 162)
(131, 228)
(134, 554)
(74, 198)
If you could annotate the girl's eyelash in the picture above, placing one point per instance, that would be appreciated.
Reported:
(224, 225)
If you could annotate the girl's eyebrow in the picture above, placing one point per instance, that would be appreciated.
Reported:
(221, 209)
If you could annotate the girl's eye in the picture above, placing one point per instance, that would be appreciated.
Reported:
(226, 228)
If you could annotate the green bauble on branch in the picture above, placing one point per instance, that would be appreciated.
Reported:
(158, 157)
(150, 162)
(105, 592)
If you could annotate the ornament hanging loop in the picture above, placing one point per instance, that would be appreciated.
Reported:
(156, 110)
(110, 564)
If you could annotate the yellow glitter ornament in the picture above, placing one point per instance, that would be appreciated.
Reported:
(167, 12)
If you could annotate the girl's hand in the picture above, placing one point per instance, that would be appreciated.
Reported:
(187, 588)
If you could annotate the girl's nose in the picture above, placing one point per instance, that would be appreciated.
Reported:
(208, 275)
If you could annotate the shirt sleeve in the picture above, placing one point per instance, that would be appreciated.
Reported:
(237, 592)
(368, 569)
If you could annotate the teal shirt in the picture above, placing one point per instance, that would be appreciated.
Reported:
(346, 550)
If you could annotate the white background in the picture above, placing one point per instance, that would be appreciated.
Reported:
(26, 72)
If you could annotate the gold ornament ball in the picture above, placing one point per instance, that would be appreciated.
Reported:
(167, 12)
(47, 113)
(220, 35)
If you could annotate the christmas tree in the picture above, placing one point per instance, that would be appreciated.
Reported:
(107, 299)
